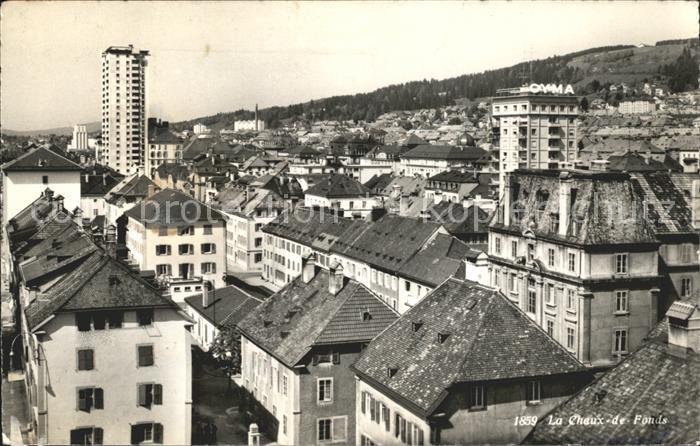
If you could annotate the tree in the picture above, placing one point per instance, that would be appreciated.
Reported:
(226, 351)
(584, 104)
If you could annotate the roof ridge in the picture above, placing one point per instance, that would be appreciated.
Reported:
(337, 310)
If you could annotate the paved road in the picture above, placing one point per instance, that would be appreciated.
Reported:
(214, 403)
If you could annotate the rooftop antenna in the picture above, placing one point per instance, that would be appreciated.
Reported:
(526, 78)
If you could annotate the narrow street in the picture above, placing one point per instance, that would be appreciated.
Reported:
(213, 402)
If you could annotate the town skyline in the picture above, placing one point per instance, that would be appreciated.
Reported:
(235, 71)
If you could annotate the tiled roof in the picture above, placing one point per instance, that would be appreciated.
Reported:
(460, 221)
(134, 186)
(98, 184)
(654, 381)
(455, 176)
(229, 305)
(413, 140)
(606, 206)
(178, 171)
(441, 152)
(160, 135)
(201, 146)
(440, 259)
(378, 182)
(658, 189)
(174, 208)
(489, 338)
(338, 186)
(301, 315)
(613, 145)
(40, 158)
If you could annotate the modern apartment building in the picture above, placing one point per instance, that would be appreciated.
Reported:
(537, 129)
(123, 109)
(80, 138)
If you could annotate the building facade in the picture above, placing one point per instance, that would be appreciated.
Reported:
(124, 109)
(573, 250)
(80, 138)
(537, 130)
(163, 147)
(177, 237)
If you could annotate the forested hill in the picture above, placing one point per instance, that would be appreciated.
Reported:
(605, 65)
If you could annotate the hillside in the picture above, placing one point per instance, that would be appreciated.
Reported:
(59, 131)
(613, 64)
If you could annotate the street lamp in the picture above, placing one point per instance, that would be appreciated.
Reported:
(12, 351)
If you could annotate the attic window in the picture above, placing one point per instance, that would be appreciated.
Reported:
(415, 326)
(114, 280)
(442, 337)
(598, 396)
(391, 371)
(267, 323)
(284, 334)
(366, 315)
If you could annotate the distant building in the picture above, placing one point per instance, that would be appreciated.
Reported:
(340, 192)
(458, 368)
(124, 109)
(95, 184)
(177, 237)
(80, 138)
(200, 129)
(428, 160)
(163, 146)
(637, 106)
(26, 177)
(252, 125)
(297, 347)
(538, 131)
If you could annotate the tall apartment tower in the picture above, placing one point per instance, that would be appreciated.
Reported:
(537, 128)
(80, 138)
(123, 108)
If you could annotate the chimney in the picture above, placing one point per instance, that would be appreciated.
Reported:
(104, 178)
(308, 267)
(256, 118)
(87, 177)
(695, 203)
(48, 193)
(507, 199)
(684, 325)
(111, 241)
(59, 203)
(78, 217)
(151, 190)
(564, 201)
(335, 278)
(207, 293)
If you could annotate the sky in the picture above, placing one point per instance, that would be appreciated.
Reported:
(222, 56)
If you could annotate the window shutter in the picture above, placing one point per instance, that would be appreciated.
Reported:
(82, 400)
(613, 262)
(158, 433)
(81, 360)
(97, 436)
(387, 418)
(90, 361)
(378, 410)
(135, 437)
(338, 428)
(363, 402)
(336, 358)
(99, 398)
(397, 428)
(157, 394)
(142, 394)
(421, 440)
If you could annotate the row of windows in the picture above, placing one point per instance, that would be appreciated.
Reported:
(186, 230)
(378, 412)
(103, 320)
(186, 249)
(185, 270)
(535, 107)
(140, 433)
(92, 398)
(144, 357)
